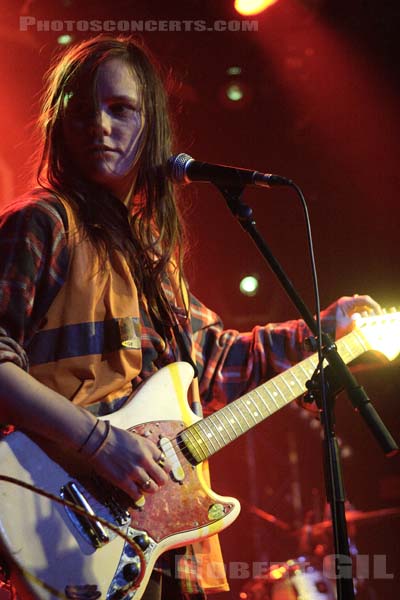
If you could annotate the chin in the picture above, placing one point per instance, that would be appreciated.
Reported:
(102, 176)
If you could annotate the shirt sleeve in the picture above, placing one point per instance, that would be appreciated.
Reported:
(231, 363)
(33, 267)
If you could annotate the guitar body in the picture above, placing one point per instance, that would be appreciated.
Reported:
(53, 552)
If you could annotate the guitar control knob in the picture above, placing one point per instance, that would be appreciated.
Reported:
(131, 571)
(142, 540)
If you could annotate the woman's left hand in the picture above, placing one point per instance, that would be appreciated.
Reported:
(343, 310)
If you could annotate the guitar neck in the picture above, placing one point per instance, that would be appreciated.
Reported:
(208, 436)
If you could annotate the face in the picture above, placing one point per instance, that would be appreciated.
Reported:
(102, 129)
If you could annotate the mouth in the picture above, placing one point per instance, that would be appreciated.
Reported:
(95, 148)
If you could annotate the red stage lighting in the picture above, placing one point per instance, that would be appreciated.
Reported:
(252, 7)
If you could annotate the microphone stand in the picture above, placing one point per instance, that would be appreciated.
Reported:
(339, 376)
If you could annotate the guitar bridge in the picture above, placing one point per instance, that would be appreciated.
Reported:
(87, 525)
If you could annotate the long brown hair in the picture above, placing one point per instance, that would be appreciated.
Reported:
(151, 235)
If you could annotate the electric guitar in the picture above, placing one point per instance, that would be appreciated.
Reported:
(99, 543)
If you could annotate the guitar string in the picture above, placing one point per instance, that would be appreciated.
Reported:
(180, 445)
(239, 418)
(242, 423)
(311, 361)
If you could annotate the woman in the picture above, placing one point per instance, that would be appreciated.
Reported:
(93, 298)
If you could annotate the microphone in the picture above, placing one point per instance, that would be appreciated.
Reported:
(182, 168)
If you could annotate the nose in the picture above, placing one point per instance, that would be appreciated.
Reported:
(101, 122)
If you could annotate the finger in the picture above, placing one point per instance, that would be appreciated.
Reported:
(162, 459)
(376, 307)
(148, 486)
(365, 302)
(157, 473)
(146, 482)
(159, 467)
(145, 463)
(132, 489)
(349, 305)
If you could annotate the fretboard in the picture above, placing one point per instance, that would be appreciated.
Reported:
(213, 433)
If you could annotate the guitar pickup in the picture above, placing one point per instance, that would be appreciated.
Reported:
(176, 468)
(92, 529)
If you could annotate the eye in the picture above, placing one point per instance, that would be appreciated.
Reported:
(78, 109)
(122, 109)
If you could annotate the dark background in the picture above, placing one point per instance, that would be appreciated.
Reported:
(322, 81)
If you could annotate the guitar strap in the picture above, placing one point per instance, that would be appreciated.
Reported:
(186, 355)
(207, 555)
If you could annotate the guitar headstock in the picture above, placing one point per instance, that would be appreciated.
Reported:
(381, 332)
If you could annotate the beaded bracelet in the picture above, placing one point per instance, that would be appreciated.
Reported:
(89, 436)
(103, 441)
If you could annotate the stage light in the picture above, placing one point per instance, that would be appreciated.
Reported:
(64, 40)
(252, 7)
(249, 285)
(234, 92)
(277, 572)
(234, 70)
